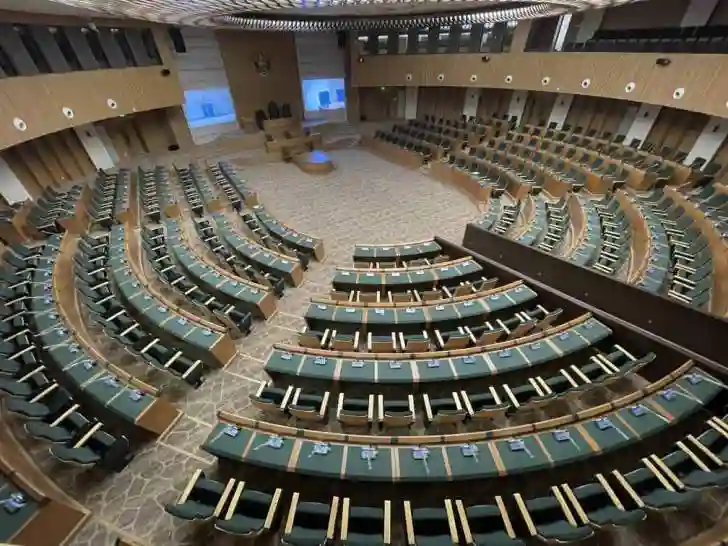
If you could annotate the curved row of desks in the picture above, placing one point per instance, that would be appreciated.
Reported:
(461, 364)
(130, 401)
(215, 349)
(463, 269)
(226, 287)
(467, 308)
(289, 236)
(397, 252)
(282, 266)
(561, 441)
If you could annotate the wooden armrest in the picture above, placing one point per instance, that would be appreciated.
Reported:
(234, 502)
(575, 503)
(261, 387)
(369, 342)
(564, 506)
(296, 396)
(608, 488)
(65, 414)
(411, 404)
(627, 487)
(190, 485)
(356, 340)
(700, 464)
(451, 522)
(511, 396)
(387, 522)
(224, 497)
(505, 517)
(656, 472)
(408, 524)
(456, 398)
(525, 514)
(464, 523)
(339, 404)
(273, 508)
(30, 374)
(370, 408)
(331, 529)
(708, 453)
(344, 533)
(326, 337)
(667, 471)
(325, 404)
(86, 437)
(150, 345)
(428, 407)
(287, 397)
(173, 359)
(45, 392)
(291, 513)
(438, 337)
(466, 402)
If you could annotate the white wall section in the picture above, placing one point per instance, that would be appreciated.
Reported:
(10, 185)
(94, 145)
(410, 102)
(561, 108)
(472, 98)
(709, 141)
(643, 122)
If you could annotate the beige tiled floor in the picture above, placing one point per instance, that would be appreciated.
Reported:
(366, 200)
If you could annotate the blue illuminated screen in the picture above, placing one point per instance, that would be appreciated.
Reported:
(324, 94)
(208, 106)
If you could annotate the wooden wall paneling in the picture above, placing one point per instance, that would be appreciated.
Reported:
(118, 139)
(616, 112)
(72, 142)
(151, 128)
(663, 124)
(136, 143)
(178, 129)
(25, 175)
(48, 157)
(575, 112)
(651, 14)
(37, 169)
(252, 91)
(528, 108)
(692, 125)
(379, 104)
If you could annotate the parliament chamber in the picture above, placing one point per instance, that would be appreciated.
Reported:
(359, 273)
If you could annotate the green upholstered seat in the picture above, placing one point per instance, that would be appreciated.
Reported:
(548, 517)
(487, 528)
(249, 516)
(201, 502)
(601, 511)
(83, 456)
(310, 525)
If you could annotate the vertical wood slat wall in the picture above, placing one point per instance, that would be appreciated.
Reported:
(53, 160)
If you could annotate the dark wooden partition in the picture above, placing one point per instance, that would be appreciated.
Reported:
(696, 334)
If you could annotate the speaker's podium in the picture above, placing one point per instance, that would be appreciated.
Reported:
(286, 136)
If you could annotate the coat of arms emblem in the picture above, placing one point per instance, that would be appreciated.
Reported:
(262, 65)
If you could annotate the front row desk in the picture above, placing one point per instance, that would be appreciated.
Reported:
(400, 369)
(617, 426)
